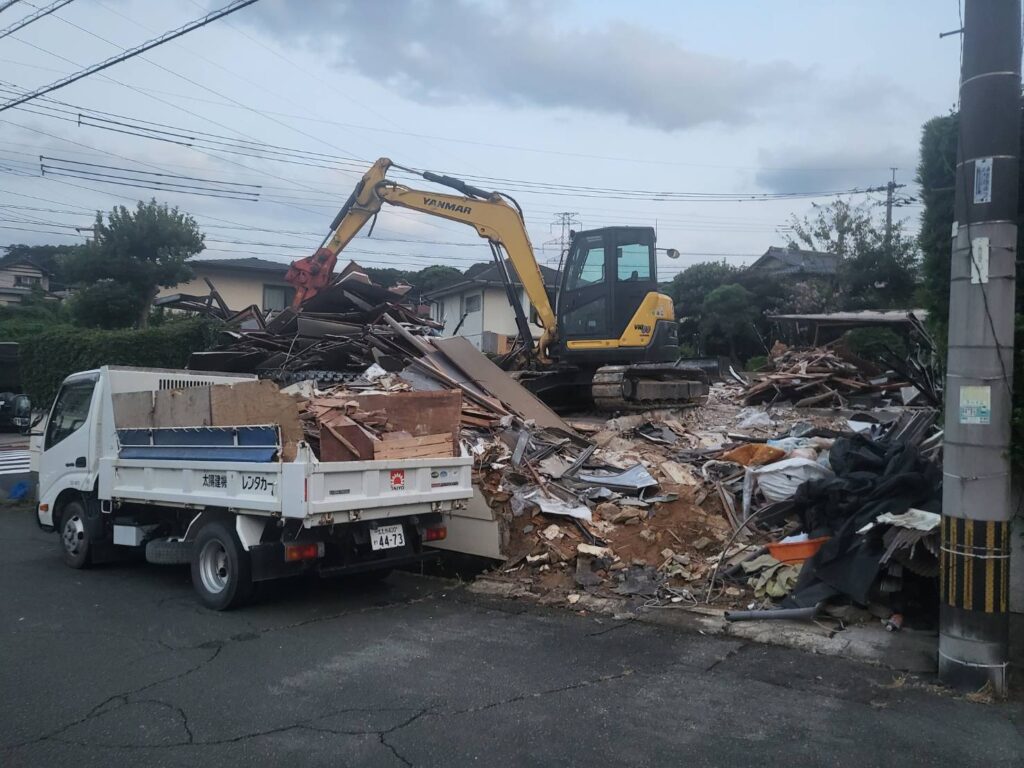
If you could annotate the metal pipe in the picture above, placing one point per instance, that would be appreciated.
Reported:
(794, 614)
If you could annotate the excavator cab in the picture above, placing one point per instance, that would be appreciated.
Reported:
(609, 308)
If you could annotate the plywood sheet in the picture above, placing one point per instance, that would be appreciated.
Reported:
(257, 402)
(133, 410)
(426, 447)
(497, 382)
(344, 440)
(189, 407)
(418, 413)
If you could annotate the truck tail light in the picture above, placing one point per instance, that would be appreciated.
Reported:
(307, 551)
(436, 533)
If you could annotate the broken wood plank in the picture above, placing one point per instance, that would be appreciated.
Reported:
(815, 399)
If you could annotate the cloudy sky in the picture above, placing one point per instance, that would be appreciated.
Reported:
(628, 113)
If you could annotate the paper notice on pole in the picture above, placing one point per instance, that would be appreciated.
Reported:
(975, 405)
(979, 260)
(983, 180)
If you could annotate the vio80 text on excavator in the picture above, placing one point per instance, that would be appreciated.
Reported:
(608, 335)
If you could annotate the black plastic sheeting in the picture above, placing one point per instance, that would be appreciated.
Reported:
(871, 478)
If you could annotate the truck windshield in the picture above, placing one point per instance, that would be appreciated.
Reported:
(70, 411)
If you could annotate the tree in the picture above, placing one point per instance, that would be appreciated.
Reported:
(839, 227)
(730, 311)
(875, 279)
(871, 275)
(435, 276)
(936, 175)
(142, 249)
(387, 276)
(691, 287)
(106, 304)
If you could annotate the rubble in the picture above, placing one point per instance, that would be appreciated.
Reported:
(664, 508)
(823, 377)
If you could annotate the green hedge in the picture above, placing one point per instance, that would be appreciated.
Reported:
(48, 356)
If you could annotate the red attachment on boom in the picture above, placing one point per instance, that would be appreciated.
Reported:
(311, 274)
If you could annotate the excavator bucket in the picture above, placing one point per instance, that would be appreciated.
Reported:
(311, 274)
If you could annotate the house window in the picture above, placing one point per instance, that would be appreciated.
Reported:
(277, 297)
(27, 281)
(472, 304)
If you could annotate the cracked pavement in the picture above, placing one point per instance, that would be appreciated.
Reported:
(120, 665)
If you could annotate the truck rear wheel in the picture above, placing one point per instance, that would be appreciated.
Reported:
(221, 571)
(75, 546)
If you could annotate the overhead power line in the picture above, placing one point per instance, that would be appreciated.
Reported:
(254, 188)
(218, 143)
(131, 52)
(24, 22)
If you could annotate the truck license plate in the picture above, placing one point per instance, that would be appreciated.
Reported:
(387, 537)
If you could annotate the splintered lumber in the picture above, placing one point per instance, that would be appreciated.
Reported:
(810, 377)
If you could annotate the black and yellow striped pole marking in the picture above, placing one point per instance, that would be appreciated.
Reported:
(975, 564)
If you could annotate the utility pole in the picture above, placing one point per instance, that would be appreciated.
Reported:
(890, 189)
(565, 221)
(976, 508)
(890, 203)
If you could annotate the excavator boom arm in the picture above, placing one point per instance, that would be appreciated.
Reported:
(492, 218)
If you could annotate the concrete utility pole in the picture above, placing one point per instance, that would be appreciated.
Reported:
(976, 508)
(890, 203)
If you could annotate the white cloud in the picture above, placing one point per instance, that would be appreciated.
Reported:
(512, 54)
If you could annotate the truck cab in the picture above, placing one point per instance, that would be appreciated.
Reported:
(80, 427)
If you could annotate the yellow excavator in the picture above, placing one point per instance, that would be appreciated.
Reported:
(608, 333)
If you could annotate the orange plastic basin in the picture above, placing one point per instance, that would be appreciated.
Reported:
(797, 551)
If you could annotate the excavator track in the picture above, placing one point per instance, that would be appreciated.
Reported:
(646, 386)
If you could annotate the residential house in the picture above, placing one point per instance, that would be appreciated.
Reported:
(19, 279)
(240, 282)
(793, 262)
(478, 308)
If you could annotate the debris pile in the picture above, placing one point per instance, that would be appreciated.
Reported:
(747, 507)
(822, 377)
(341, 331)
(752, 501)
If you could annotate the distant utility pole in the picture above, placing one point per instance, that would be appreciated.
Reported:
(564, 222)
(890, 192)
(976, 508)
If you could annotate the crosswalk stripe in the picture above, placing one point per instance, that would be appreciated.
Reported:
(14, 462)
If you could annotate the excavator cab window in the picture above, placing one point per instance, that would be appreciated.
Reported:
(586, 265)
(583, 303)
(634, 261)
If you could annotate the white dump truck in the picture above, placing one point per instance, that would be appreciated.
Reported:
(222, 499)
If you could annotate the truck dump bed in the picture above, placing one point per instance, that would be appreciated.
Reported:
(230, 467)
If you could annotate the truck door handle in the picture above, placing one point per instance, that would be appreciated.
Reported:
(79, 463)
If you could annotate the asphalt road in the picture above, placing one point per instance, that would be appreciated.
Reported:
(120, 666)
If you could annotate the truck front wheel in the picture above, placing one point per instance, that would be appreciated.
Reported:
(221, 571)
(74, 539)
